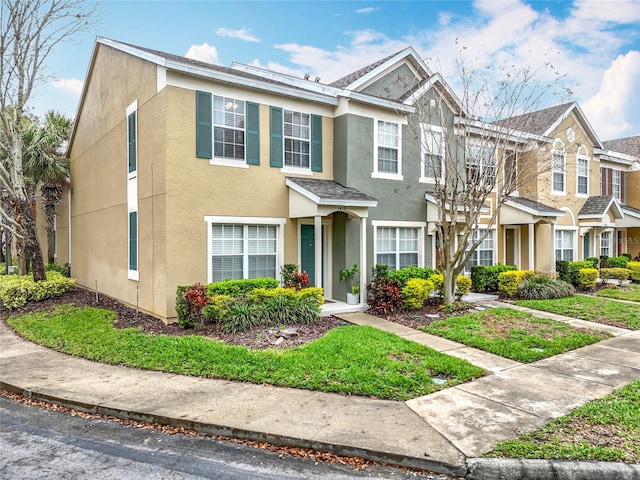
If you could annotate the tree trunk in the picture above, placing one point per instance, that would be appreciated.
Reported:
(32, 243)
(448, 284)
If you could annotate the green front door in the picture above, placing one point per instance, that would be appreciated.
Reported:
(308, 251)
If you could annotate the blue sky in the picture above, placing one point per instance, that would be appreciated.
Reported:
(595, 43)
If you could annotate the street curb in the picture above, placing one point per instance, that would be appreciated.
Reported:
(523, 469)
(213, 429)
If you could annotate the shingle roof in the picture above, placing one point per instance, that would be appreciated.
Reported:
(539, 208)
(347, 80)
(628, 145)
(535, 122)
(598, 206)
(634, 211)
(330, 190)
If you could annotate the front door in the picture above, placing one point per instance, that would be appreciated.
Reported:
(511, 246)
(308, 252)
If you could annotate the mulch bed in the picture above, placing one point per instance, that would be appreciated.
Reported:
(260, 337)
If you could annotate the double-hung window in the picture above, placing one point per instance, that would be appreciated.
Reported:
(397, 247)
(432, 153)
(388, 153)
(558, 160)
(605, 243)
(296, 139)
(612, 182)
(481, 164)
(132, 191)
(228, 128)
(243, 251)
(510, 170)
(616, 184)
(583, 176)
(484, 253)
(564, 245)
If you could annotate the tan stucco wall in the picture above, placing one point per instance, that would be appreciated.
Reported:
(99, 175)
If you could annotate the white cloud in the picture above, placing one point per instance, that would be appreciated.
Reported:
(204, 53)
(69, 85)
(366, 10)
(242, 34)
(613, 111)
(278, 67)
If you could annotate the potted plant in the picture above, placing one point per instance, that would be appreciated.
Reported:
(349, 273)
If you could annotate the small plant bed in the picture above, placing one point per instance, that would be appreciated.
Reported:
(513, 334)
(607, 429)
(354, 360)
(630, 293)
(593, 309)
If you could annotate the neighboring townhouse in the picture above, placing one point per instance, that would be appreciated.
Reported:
(620, 179)
(184, 172)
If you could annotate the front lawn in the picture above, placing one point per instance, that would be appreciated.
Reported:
(513, 334)
(353, 359)
(629, 292)
(594, 309)
(607, 429)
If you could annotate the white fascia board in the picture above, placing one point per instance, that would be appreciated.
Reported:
(329, 201)
(517, 136)
(615, 157)
(537, 213)
(582, 117)
(377, 101)
(433, 80)
(631, 213)
(157, 59)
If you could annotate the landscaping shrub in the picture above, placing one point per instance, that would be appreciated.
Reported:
(508, 282)
(619, 274)
(64, 270)
(293, 278)
(485, 279)
(594, 260)
(626, 254)
(463, 286)
(634, 271)
(437, 279)
(218, 308)
(542, 287)
(405, 274)
(236, 288)
(573, 271)
(280, 309)
(416, 292)
(17, 290)
(243, 315)
(381, 270)
(588, 278)
(189, 307)
(562, 269)
(261, 294)
(384, 296)
(613, 262)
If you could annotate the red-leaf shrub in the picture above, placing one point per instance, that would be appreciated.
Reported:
(385, 296)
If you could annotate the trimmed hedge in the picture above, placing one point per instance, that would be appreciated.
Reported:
(634, 271)
(614, 262)
(509, 281)
(485, 279)
(235, 288)
(619, 274)
(17, 290)
(416, 292)
(405, 274)
(588, 278)
(463, 286)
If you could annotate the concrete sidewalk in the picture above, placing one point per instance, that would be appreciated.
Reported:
(440, 432)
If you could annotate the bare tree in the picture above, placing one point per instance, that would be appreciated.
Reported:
(469, 149)
(29, 31)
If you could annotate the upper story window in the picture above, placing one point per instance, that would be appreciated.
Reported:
(432, 152)
(481, 164)
(296, 139)
(228, 128)
(510, 170)
(132, 133)
(388, 157)
(583, 176)
(558, 171)
(612, 182)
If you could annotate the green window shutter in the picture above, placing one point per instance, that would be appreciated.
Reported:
(203, 125)
(133, 240)
(131, 134)
(252, 134)
(316, 143)
(277, 147)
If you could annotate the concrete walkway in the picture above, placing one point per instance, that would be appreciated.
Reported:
(437, 432)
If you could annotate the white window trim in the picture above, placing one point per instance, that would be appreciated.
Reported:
(578, 158)
(210, 220)
(467, 268)
(290, 168)
(393, 224)
(562, 152)
(612, 238)
(386, 175)
(424, 128)
(482, 165)
(220, 161)
(132, 195)
(574, 243)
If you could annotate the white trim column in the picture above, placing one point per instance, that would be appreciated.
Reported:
(317, 232)
(553, 248)
(363, 259)
(532, 230)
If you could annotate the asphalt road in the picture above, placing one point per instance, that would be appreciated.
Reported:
(43, 444)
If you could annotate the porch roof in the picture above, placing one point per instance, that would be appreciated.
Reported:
(534, 208)
(312, 197)
(595, 208)
(631, 217)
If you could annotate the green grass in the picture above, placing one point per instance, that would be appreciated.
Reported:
(513, 334)
(629, 292)
(354, 360)
(595, 309)
(607, 429)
